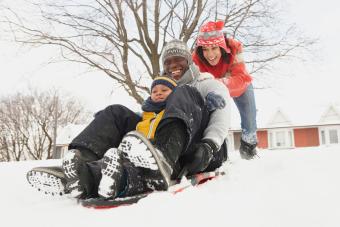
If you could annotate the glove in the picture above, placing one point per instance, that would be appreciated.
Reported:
(214, 101)
(202, 156)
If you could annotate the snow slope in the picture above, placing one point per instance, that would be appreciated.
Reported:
(298, 187)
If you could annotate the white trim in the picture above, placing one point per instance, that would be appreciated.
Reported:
(231, 141)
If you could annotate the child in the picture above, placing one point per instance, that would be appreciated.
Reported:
(114, 180)
(222, 57)
(154, 106)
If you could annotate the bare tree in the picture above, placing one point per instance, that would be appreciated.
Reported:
(27, 122)
(124, 38)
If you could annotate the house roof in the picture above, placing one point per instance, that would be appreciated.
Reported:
(291, 115)
(331, 115)
(65, 135)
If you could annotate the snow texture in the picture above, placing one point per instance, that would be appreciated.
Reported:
(297, 187)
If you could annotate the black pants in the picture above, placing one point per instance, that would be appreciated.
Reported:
(106, 130)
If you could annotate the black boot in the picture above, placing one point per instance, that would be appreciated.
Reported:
(247, 151)
(77, 173)
(156, 162)
(112, 174)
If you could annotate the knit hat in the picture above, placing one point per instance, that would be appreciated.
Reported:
(211, 33)
(165, 81)
(176, 48)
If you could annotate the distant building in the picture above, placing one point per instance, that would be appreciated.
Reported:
(295, 127)
(64, 138)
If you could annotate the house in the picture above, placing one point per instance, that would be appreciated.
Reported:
(64, 138)
(294, 126)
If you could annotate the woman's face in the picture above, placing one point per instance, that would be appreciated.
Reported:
(212, 54)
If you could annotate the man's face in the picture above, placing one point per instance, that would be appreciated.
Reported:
(175, 67)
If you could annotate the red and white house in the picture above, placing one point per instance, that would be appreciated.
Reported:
(295, 127)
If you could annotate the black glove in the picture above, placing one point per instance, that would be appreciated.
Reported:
(202, 156)
(214, 101)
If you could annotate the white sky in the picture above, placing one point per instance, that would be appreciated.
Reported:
(315, 81)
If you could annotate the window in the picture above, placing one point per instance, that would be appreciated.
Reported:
(280, 138)
(333, 136)
(323, 137)
(330, 135)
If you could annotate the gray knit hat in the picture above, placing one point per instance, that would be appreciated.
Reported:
(176, 48)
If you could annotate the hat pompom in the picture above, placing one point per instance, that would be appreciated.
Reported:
(219, 25)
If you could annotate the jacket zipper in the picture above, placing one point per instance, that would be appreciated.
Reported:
(151, 126)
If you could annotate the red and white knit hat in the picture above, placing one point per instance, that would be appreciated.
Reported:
(211, 33)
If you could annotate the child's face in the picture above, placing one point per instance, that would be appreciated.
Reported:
(212, 54)
(160, 92)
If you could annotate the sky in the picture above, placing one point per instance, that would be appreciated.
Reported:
(313, 82)
(295, 188)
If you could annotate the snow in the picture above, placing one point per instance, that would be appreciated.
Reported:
(297, 187)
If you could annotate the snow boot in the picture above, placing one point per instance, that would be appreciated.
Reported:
(247, 151)
(112, 174)
(48, 180)
(77, 173)
(150, 162)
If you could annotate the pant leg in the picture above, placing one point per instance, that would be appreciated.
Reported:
(247, 109)
(106, 130)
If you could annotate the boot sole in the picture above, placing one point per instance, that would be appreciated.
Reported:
(110, 167)
(149, 158)
(48, 181)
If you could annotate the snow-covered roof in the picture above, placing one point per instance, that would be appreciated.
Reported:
(331, 115)
(65, 135)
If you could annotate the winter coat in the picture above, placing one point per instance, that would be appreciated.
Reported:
(219, 122)
(233, 74)
(149, 123)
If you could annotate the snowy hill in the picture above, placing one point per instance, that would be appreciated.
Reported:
(298, 187)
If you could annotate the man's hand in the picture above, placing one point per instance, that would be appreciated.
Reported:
(214, 101)
(202, 156)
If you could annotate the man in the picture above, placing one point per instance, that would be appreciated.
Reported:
(177, 64)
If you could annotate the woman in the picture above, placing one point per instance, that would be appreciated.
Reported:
(222, 57)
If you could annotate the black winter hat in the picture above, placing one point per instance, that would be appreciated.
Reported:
(165, 81)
